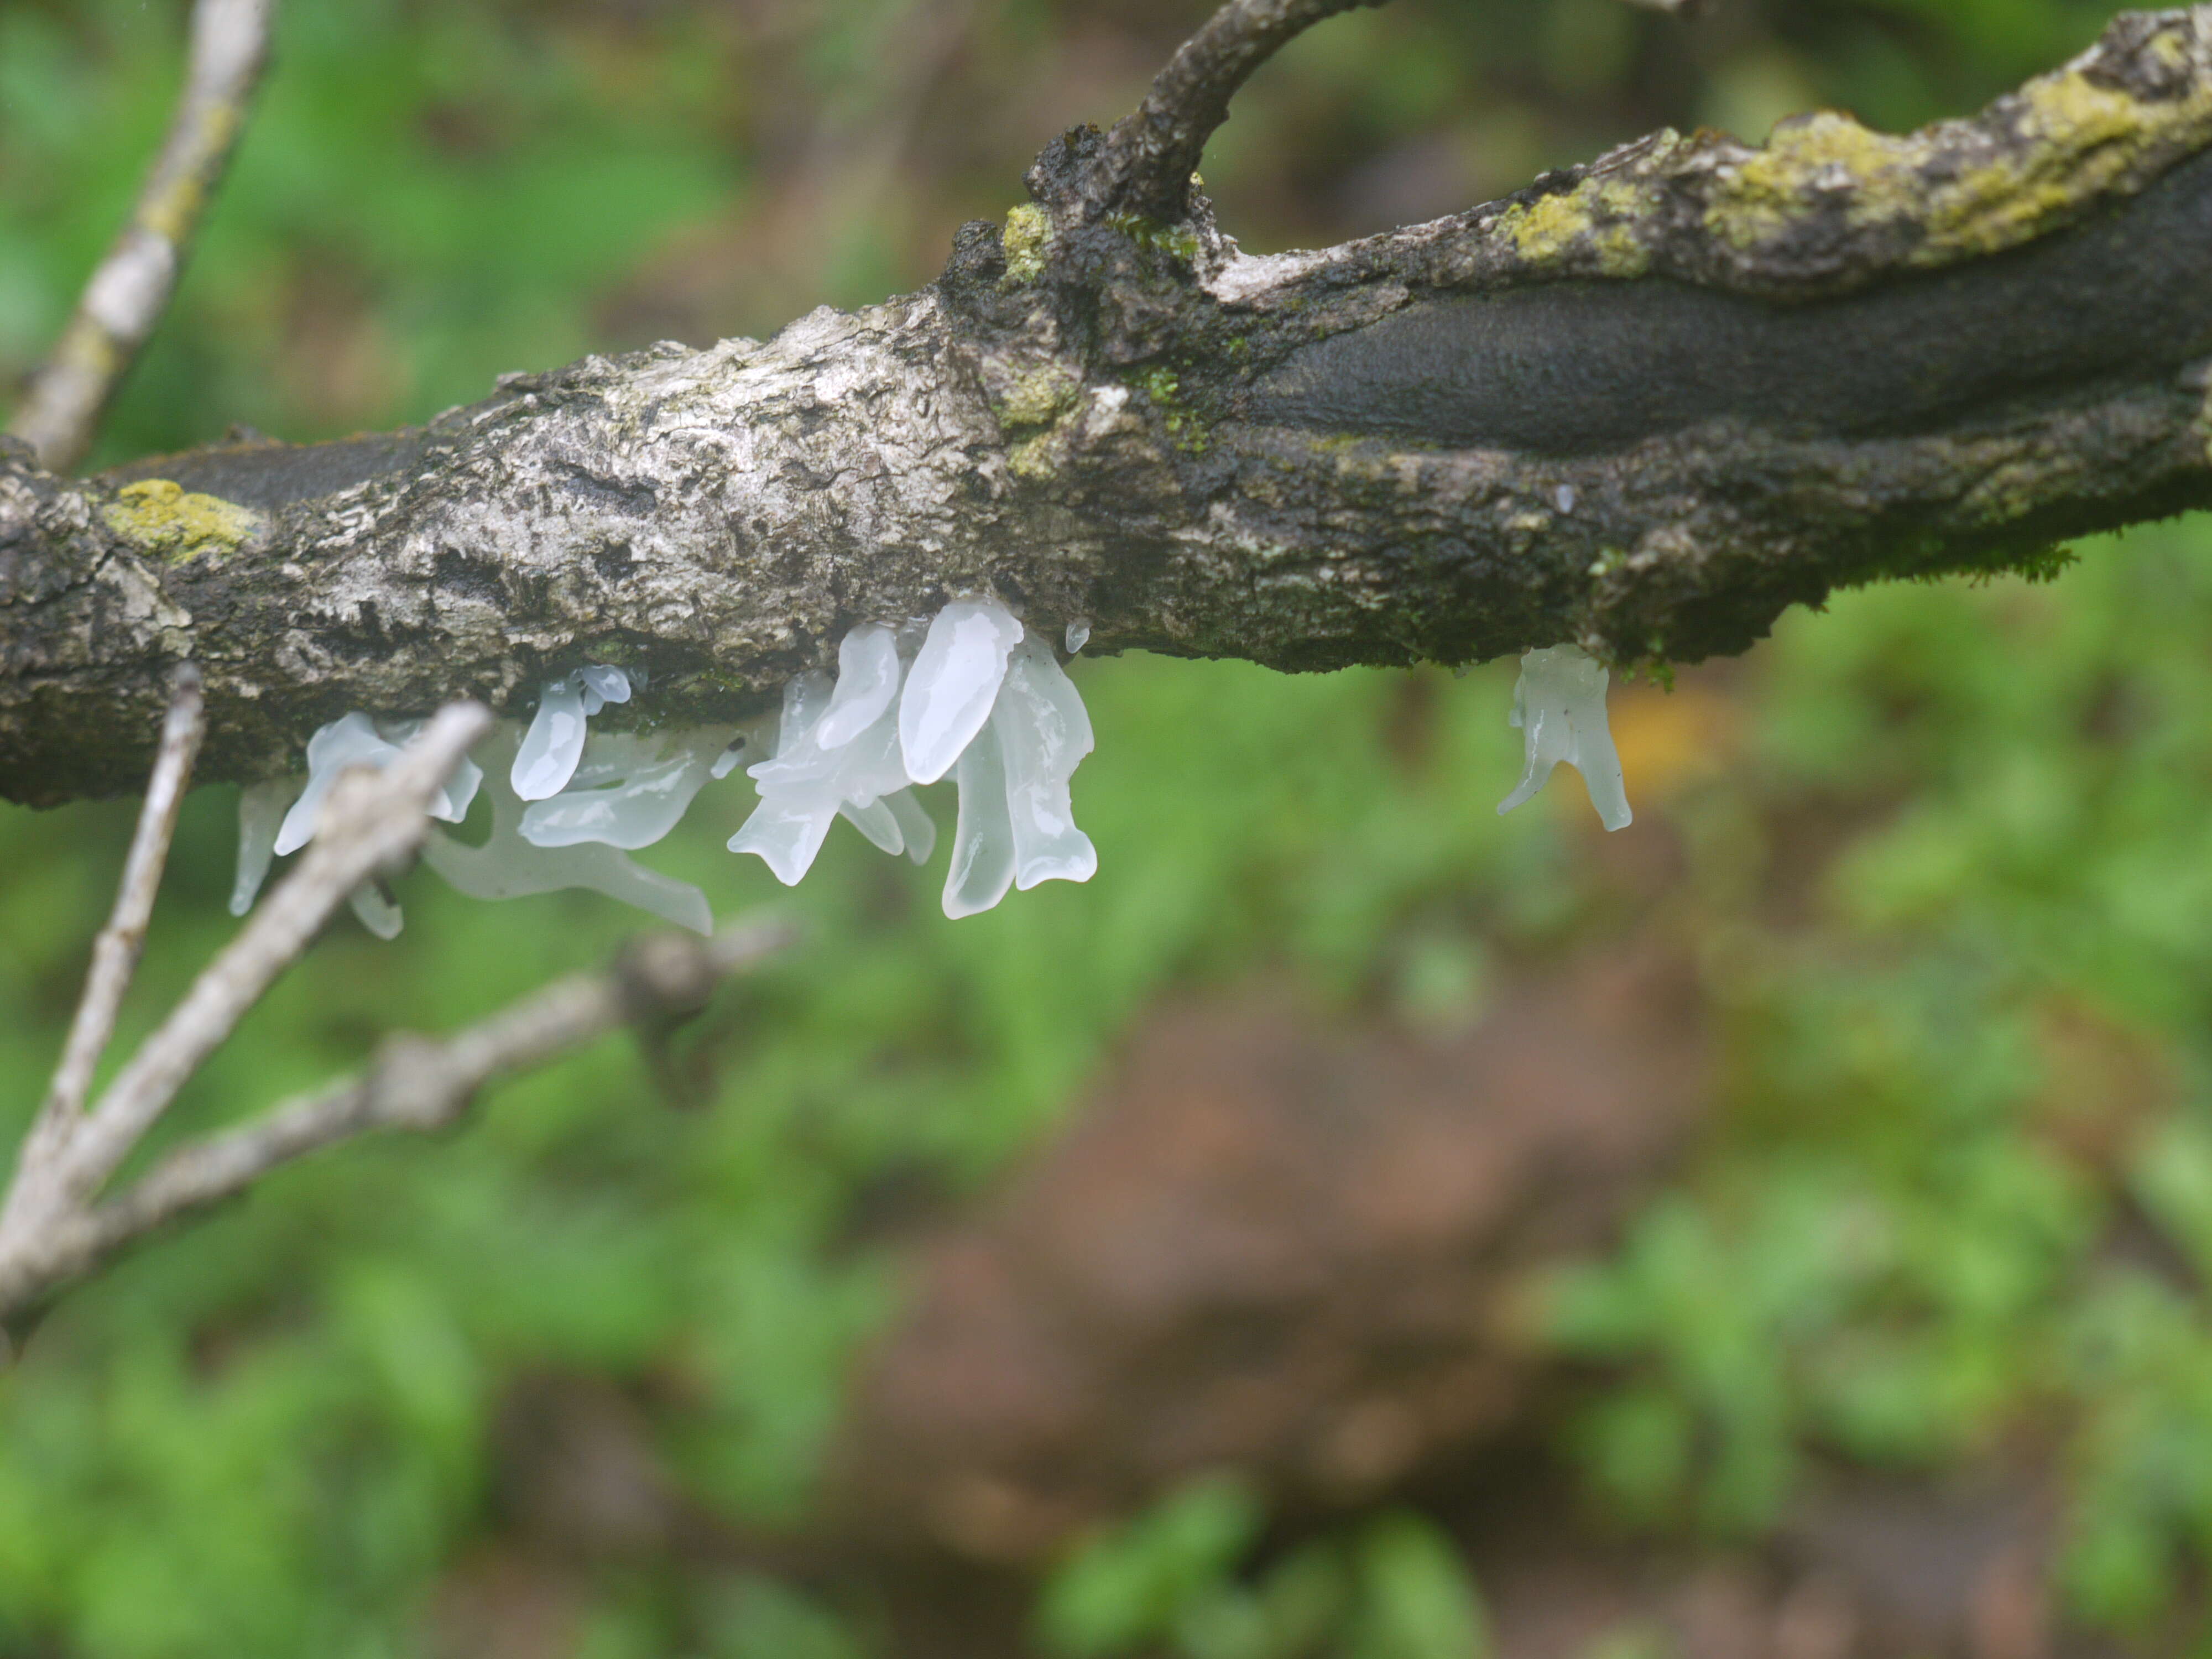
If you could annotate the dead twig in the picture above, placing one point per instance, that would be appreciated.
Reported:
(372, 822)
(115, 952)
(1144, 165)
(55, 1226)
(416, 1083)
(129, 292)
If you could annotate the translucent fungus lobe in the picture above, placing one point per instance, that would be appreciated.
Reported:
(1044, 735)
(799, 800)
(507, 866)
(260, 813)
(602, 685)
(628, 790)
(975, 695)
(953, 682)
(867, 680)
(554, 744)
(1558, 703)
(983, 842)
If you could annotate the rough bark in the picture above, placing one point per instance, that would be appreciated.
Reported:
(1644, 404)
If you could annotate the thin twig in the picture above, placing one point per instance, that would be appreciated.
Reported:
(370, 824)
(115, 952)
(1145, 163)
(372, 821)
(415, 1084)
(54, 1229)
(130, 289)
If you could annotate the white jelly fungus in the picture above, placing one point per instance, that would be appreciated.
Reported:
(1558, 703)
(952, 684)
(972, 693)
(975, 694)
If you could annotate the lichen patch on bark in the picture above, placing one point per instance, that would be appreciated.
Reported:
(161, 517)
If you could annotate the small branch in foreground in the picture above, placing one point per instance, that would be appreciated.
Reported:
(1145, 166)
(130, 289)
(115, 952)
(53, 1226)
(372, 822)
(418, 1084)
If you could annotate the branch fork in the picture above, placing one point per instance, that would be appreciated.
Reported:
(58, 1220)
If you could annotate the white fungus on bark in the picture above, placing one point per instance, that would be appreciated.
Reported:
(547, 757)
(1558, 703)
(260, 813)
(975, 694)
(953, 682)
(356, 741)
(1045, 733)
(867, 679)
(553, 744)
(983, 698)
(982, 865)
(628, 791)
(351, 740)
(602, 685)
(507, 866)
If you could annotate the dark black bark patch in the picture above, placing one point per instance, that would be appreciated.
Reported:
(268, 476)
(1574, 367)
(636, 498)
(455, 573)
(614, 561)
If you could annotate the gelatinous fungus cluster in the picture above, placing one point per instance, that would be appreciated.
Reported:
(971, 693)
(1558, 703)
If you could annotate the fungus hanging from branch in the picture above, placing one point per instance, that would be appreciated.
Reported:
(977, 695)
(973, 693)
(553, 744)
(1559, 704)
(1760, 372)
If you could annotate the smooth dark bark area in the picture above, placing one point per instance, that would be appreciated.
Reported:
(1645, 406)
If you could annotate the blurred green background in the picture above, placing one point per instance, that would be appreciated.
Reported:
(1945, 871)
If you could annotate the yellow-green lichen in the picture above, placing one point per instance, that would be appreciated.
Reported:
(1160, 385)
(1177, 240)
(2084, 138)
(167, 519)
(1039, 396)
(1591, 226)
(1027, 235)
(2071, 138)
(1034, 459)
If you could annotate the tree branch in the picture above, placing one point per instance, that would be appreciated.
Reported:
(60, 412)
(372, 822)
(417, 1083)
(115, 951)
(1644, 405)
(1146, 164)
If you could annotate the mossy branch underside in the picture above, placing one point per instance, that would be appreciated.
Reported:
(1644, 405)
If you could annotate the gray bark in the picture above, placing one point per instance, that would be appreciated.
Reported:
(1644, 405)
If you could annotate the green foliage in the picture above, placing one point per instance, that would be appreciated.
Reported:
(1964, 1047)
(285, 1413)
(1390, 1588)
(1949, 1086)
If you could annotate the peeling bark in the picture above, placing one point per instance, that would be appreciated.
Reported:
(1645, 406)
